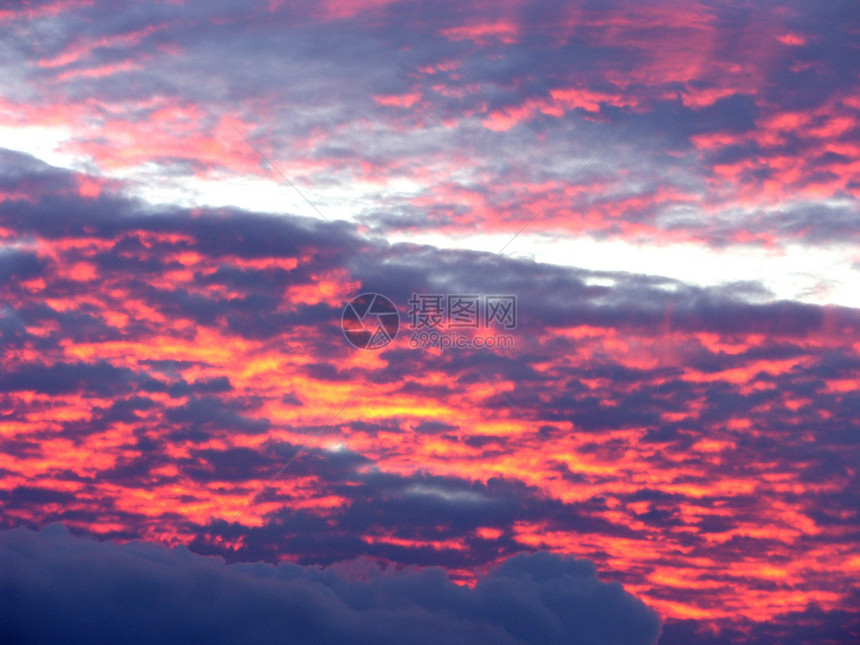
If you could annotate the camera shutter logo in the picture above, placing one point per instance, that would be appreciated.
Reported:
(370, 321)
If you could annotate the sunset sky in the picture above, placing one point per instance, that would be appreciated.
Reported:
(665, 447)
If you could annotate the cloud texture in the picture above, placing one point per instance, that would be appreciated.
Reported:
(61, 589)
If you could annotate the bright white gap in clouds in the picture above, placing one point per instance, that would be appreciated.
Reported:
(815, 275)
(818, 275)
(42, 142)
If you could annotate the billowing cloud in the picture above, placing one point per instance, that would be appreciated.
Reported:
(61, 589)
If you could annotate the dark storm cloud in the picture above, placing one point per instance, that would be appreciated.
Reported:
(63, 589)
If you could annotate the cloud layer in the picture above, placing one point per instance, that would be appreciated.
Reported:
(740, 122)
(162, 365)
(679, 404)
(61, 589)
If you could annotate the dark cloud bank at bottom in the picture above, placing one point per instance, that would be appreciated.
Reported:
(56, 588)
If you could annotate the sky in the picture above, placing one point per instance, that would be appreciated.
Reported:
(648, 431)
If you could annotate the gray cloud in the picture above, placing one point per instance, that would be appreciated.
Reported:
(61, 589)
